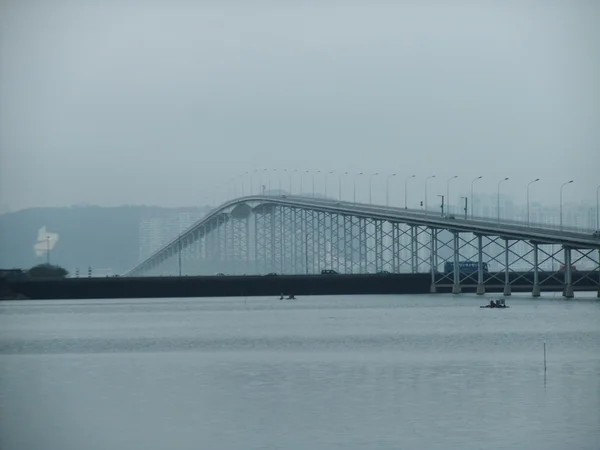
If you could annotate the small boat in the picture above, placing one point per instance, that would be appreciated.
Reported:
(499, 303)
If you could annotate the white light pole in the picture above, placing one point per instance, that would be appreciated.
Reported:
(48, 250)
(530, 183)
(406, 190)
(301, 178)
(473, 204)
(261, 189)
(561, 214)
(285, 170)
(355, 177)
(340, 185)
(252, 181)
(427, 179)
(448, 194)
(327, 173)
(387, 189)
(292, 174)
(499, 182)
(370, 181)
(241, 177)
(313, 182)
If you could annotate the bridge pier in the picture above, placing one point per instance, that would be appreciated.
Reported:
(432, 258)
(480, 285)
(536, 269)
(507, 290)
(568, 289)
(456, 289)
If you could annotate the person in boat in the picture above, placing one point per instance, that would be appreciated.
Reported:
(492, 304)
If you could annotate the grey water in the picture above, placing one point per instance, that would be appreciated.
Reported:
(352, 372)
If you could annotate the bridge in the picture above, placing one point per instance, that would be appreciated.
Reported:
(285, 234)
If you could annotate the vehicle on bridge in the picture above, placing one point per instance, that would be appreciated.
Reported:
(329, 272)
(465, 267)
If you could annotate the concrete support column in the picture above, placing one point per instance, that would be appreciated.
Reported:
(568, 289)
(536, 272)
(507, 291)
(413, 250)
(480, 285)
(456, 289)
(432, 258)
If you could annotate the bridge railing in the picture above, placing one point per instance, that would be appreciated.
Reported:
(480, 218)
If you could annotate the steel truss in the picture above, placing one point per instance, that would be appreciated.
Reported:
(292, 240)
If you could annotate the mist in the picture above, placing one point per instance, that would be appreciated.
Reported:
(164, 103)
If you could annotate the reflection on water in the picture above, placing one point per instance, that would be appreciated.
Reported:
(384, 372)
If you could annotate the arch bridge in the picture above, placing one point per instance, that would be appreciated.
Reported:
(282, 234)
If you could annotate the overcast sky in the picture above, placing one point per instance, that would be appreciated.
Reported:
(160, 102)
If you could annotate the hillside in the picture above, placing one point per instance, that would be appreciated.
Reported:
(82, 236)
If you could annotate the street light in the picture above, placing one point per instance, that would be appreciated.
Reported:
(499, 182)
(252, 181)
(301, 178)
(387, 189)
(448, 193)
(473, 204)
(291, 174)
(48, 250)
(426, 179)
(340, 185)
(370, 180)
(530, 183)
(327, 173)
(261, 189)
(561, 189)
(355, 177)
(313, 182)
(406, 190)
(242, 176)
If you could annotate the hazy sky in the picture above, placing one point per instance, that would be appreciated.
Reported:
(160, 102)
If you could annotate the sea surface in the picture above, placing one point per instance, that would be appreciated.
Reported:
(349, 372)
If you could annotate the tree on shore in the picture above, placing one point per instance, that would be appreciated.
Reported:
(47, 271)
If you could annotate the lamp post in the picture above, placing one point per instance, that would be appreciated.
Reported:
(301, 178)
(48, 250)
(387, 189)
(292, 174)
(313, 182)
(327, 173)
(427, 179)
(355, 177)
(466, 206)
(370, 181)
(406, 190)
(473, 204)
(261, 188)
(340, 185)
(448, 192)
(252, 181)
(530, 183)
(242, 176)
(561, 214)
(498, 205)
